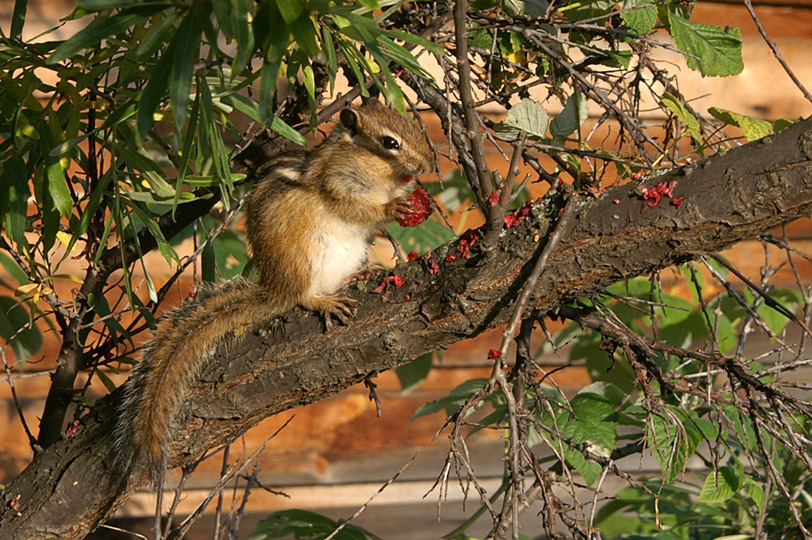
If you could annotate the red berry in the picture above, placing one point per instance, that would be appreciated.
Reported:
(416, 210)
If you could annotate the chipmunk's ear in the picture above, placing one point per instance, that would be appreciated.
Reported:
(351, 120)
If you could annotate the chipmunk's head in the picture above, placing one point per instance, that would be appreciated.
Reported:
(390, 135)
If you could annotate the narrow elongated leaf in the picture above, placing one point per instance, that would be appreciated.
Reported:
(304, 32)
(101, 28)
(57, 187)
(15, 180)
(290, 9)
(186, 48)
(92, 205)
(101, 5)
(18, 18)
(154, 92)
(278, 125)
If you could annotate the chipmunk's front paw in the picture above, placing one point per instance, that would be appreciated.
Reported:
(414, 209)
(340, 306)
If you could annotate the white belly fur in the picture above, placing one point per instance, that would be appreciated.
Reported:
(341, 249)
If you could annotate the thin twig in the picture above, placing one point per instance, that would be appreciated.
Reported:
(749, 5)
(364, 506)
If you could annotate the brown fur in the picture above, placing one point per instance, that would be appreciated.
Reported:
(311, 208)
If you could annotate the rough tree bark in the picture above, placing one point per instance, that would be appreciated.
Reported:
(70, 488)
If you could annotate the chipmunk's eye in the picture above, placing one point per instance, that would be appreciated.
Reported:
(390, 143)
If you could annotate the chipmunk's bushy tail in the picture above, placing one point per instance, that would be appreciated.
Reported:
(172, 362)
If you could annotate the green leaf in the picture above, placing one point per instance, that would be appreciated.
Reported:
(596, 419)
(673, 104)
(105, 380)
(290, 9)
(280, 126)
(430, 234)
(529, 116)
(15, 181)
(15, 327)
(101, 28)
(57, 187)
(102, 5)
(571, 118)
(453, 401)
(531, 8)
(413, 373)
(640, 16)
(95, 200)
(781, 124)
(712, 50)
(753, 128)
(595, 422)
(230, 254)
(305, 525)
(670, 442)
(18, 18)
(186, 49)
(154, 92)
(721, 485)
(304, 32)
(755, 492)
(13, 269)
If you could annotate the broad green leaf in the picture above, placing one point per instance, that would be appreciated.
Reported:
(589, 469)
(595, 419)
(720, 485)
(430, 234)
(781, 124)
(230, 254)
(413, 373)
(16, 329)
(640, 16)
(753, 128)
(571, 118)
(669, 441)
(453, 401)
(712, 50)
(529, 116)
(305, 525)
(530, 8)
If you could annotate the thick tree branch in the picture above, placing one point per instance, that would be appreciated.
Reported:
(70, 487)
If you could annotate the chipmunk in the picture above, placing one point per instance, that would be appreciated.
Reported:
(309, 223)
